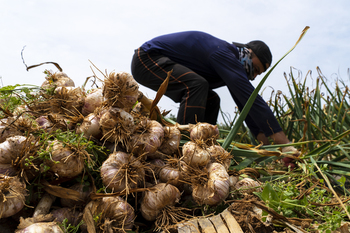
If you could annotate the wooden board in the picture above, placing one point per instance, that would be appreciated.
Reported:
(219, 225)
(206, 225)
(188, 227)
(231, 222)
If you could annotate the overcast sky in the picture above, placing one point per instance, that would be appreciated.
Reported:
(106, 32)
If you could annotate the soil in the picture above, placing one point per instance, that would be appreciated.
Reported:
(247, 218)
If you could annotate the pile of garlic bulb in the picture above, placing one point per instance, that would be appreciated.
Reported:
(145, 169)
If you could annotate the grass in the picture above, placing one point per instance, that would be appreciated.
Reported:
(316, 120)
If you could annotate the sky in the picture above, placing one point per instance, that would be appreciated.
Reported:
(79, 35)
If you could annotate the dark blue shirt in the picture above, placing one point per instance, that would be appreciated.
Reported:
(217, 61)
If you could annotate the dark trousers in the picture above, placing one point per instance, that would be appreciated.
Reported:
(198, 103)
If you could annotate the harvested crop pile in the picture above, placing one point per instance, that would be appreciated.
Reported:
(99, 155)
(106, 160)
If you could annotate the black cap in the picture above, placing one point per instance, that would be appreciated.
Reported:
(261, 50)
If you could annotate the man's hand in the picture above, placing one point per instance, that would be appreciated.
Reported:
(289, 161)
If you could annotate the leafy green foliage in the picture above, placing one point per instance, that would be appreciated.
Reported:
(12, 96)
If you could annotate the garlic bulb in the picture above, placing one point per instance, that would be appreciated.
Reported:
(12, 195)
(109, 214)
(67, 100)
(65, 161)
(44, 122)
(171, 141)
(150, 137)
(157, 198)
(220, 155)
(72, 215)
(120, 90)
(248, 186)
(194, 154)
(90, 127)
(216, 189)
(117, 125)
(204, 131)
(122, 171)
(11, 151)
(93, 100)
(42, 227)
(171, 175)
(58, 79)
(233, 181)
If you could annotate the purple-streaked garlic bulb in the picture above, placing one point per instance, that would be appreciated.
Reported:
(72, 215)
(122, 171)
(195, 154)
(216, 189)
(204, 131)
(149, 137)
(117, 125)
(109, 214)
(171, 140)
(157, 198)
(93, 100)
(41, 227)
(171, 175)
(90, 127)
(11, 151)
(12, 195)
(65, 160)
(248, 185)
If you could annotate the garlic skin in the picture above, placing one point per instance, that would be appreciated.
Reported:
(12, 195)
(216, 190)
(64, 161)
(122, 171)
(195, 155)
(248, 186)
(203, 131)
(93, 100)
(157, 198)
